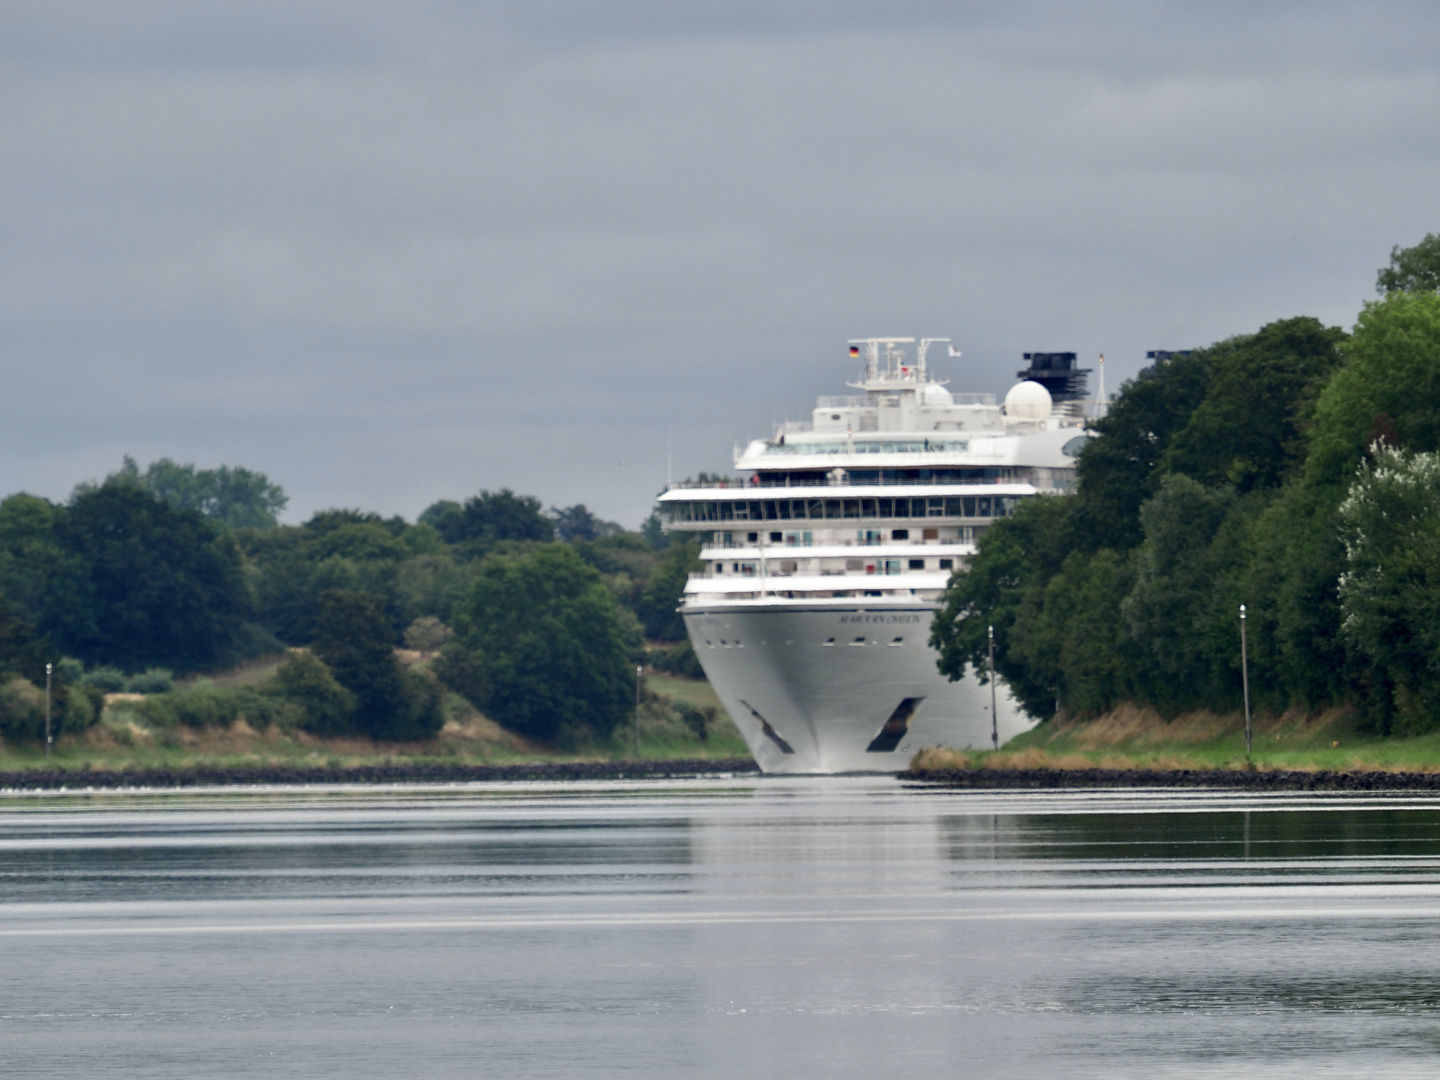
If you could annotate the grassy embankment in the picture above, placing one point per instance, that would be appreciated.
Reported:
(1132, 738)
(122, 739)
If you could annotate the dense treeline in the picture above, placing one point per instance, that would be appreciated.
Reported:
(1293, 470)
(536, 617)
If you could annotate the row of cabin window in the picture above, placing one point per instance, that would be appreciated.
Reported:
(965, 534)
(852, 566)
(963, 506)
(857, 641)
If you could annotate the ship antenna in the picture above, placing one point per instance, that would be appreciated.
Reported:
(925, 344)
(1098, 410)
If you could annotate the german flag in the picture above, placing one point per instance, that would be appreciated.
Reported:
(854, 350)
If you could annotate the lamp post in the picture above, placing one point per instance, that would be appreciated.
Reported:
(47, 711)
(639, 671)
(994, 718)
(1245, 679)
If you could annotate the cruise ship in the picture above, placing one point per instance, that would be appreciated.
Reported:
(825, 558)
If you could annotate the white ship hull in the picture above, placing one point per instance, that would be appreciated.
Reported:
(833, 689)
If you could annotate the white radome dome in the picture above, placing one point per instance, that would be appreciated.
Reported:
(935, 394)
(1028, 401)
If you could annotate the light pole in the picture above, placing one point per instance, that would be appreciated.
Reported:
(47, 711)
(1245, 679)
(639, 671)
(994, 719)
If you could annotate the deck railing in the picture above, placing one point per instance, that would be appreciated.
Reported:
(768, 483)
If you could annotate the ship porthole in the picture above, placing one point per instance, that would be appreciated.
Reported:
(829, 642)
(857, 642)
(897, 641)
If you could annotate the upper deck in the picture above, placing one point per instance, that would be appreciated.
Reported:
(905, 433)
(907, 420)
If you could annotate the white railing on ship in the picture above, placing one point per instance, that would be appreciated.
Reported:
(858, 401)
(776, 549)
(827, 482)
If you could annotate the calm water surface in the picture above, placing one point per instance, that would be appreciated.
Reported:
(788, 928)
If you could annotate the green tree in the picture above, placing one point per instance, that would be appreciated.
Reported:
(431, 586)
(234, 496)
(356, 642)
(360, 541)
(1183, 606)
(1248, 430)
(1390, 593)
(1004, 582)
(664, 588)
(165, 586)
(1413, 269)
(407, 565)
(490, 517)
(446, 517)
(23, 650)
(555, 645)
(1072, 637)
(1118, 470)
(1290, 586)
(652, 530)
(1386, 389)
(50, 585)
(239, 497)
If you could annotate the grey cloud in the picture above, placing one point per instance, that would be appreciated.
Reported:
(390, 253)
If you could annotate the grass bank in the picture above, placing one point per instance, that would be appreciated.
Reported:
(124, 739)
(1131, 738)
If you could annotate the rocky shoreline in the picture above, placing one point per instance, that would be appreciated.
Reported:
(1230, 780)
(435, 773)
(130, 779)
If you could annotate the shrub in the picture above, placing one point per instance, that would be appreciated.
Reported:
(81, 708)
(463, 671)
(213, 706)
(699, 719)
(676, 659)
(426, 634)
(22, 711)
(106, 679)
(152, 681)
(305, 681)
(424, 718)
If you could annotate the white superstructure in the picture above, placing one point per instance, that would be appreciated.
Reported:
(825, 558)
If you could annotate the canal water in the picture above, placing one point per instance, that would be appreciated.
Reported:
(724, 927)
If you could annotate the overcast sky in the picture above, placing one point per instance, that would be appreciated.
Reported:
(395, 252)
